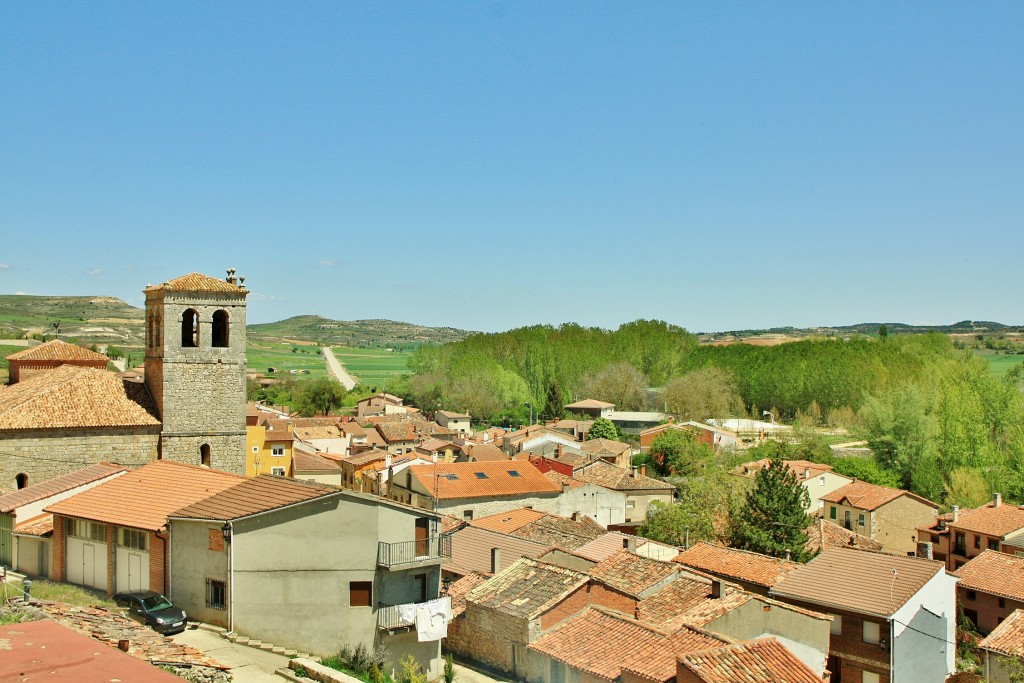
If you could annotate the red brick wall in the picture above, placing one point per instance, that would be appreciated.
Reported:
(574, 603)
(58, 566)
(612, 599)
(111, 558)
(987, 608)
(855, 655)
(157, 562)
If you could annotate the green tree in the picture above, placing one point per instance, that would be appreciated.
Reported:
(774, 519)
(701, 511)
(320, 396)
(867, 470)
(703, 394)
(603, 428)
(618, 383)
(679, 453)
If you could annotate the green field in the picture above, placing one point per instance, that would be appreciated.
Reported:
(1000, 363)
(305, 360)
(373, 367)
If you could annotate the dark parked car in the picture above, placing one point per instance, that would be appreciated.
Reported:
(153, 609)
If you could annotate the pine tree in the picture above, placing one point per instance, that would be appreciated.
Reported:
(773, 519)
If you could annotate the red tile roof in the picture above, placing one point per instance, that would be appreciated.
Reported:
(990, 520)
(764, 660)
(196, 282)
(605, 546)
(618, 479)
(589, 403)
(995, 573)
(484, 452)
(73, 397)
(1008, 637)
(865, 496)
(58, 350)
(482, 479)
(52, 487)
(472, 547)
(507, 522)
(254, 496)
(632, 574)
(37, 526)
(858, 580)
(824, 534)
(741, 565)
(527, 588)
(310, 462)
(458, 590)
(144, 498)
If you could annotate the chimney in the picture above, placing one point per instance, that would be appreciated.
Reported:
(575, 517)
(956, 513)
(387, 460)
(924, 549)
(716, 589)
(635, 471)
(630, 544)
(565, 487)
(558, 452)
(433, 457)
(807, 472)
(495, 560)
(643, 470)
(997, 500)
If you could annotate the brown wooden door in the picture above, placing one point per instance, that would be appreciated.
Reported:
(422, 537)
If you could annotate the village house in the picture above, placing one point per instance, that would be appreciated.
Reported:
(316, 468)
(960, 535)
(605, 506)
(714, 437)
(991, 587)
(440, 451)
(640, 490)
(612, 452)
(268, 451)
(475, 489)
(565, 533)
(1005, 643)
(894, 617)
(457, 423)
(52, 354)
(25, 530)
(380, 404)
(400, 436)
(889, 516)
(764, 660)
(817, 479)
(591, 407)
(578, 429)
(486, 552)
(241, 559)
(538, 441)
(752, 571)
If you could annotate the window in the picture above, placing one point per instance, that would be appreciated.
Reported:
(220, 329)
(513, 473)
(189, 329)
(205, 458)
(132, 538)
(216, 592)
(957, 564)
(971, 595)
(278, 471)
(277, 451)
(1002, 603)
(821, 480)
(935, 538)
(869, 677)
(360, 593)
(832, 512)
(836, 628)
(467, 515)
(860, 519)
(80, 528)
(993, 544)
(21, 480)
(961, 543)
(977, 542)
(480, 475)
(255, 449)
(871, 632)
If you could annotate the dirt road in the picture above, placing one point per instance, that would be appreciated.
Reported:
(338, 370)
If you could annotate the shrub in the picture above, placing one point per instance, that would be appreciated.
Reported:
(411, 672)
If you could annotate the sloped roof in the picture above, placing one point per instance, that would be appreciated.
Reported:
(196, 282)
(527, 588)
(453, 416)
(603, 643)
(764, 660)
(589, 403)
(317, 432)
(564, 479)
(37, 526)
(742, 565)
(311, 462)
(630, 573)
(865, 496)
(1008, 637)
(616, 478)
(396, 431)
(254, 496)
(484, 452)
(459, 589)
(507, 522)
(144, 498)
(367, 457)
(824, 534)
(996, 573)
(797, 467)
(58, 350)
(471, 550)
(604, 445)
(991, 520)
(482, 479)
(606, 545)
(687, 600)
(51, 487)
(74, 397)
(872, 583)
(562, 532)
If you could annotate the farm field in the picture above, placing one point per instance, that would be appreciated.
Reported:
(372, 367)
(4, 352)
(999, 363)
(261, 355)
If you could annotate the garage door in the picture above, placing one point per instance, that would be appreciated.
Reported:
(87, 563)
(132, 570)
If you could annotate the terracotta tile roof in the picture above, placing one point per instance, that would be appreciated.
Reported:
(471, 550)
(1008, 637)
(196, 282)
(631, 573)
(527, 588)
(37, 526)
(438, 445)
(451, 523)
(865, 496)
(874, 583)
(482, 479)
(278, 436)
(311, 462)
(616, 478)
(453, 416)
(596, 446)
(145, 497)
(764, 660)
(560, 479)
(352, 429)
(59, 350)
(73, 397)
(459, 589)
(367, 457)
(605, 546)
(797, 467)
(318, 432)
(589, 403)
(254, 496)
(687, 600)
(603, 643)
(507, 522)
(561, 532)
(396, 431)
(996, 573)
(484, 452)
(51, 487)
(822, 533)
(990, 520)
(741, 565)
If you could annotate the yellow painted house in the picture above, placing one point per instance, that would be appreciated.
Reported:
(268, 451)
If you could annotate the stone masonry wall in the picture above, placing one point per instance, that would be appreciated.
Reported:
(494, 635)
(227, 451)
(45, 454)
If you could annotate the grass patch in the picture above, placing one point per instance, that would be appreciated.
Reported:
(61, 592)
(261, 355)
(999, 363)
(373, 367)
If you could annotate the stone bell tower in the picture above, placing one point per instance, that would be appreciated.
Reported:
(195, 368)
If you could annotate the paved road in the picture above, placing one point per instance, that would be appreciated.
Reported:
(248, 664)
(464, 674)
(338, 370)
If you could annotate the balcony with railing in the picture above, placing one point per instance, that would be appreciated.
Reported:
(403, 617)
(412, 554)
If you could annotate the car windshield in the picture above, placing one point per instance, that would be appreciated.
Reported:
(155, 602)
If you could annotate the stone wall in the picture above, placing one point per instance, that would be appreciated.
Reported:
(227, 451)
(47, 453)
(495, 633)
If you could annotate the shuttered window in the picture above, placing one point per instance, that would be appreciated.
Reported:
(360, 593)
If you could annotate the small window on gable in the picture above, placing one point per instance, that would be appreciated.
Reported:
(480, 475)
(513, 473)
(220, 329)
(190, 329)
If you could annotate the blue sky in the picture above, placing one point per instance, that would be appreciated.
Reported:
(488, 165)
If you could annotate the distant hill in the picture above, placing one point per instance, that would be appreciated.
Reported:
(87, 319)
(779, 335)
(377, 333)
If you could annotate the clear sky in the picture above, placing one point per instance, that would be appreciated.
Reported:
(488, 165)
